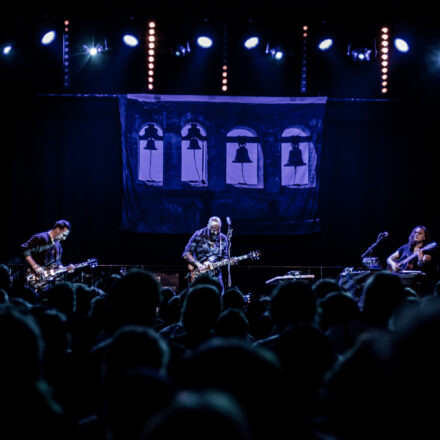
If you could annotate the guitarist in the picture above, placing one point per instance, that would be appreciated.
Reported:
(206, 246)
(44, 249)
(418, 238)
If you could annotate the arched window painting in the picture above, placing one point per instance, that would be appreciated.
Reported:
(151, 154)
(296, 150)
(244, 159)
(194, 155)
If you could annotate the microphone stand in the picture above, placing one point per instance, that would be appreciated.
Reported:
(229, 235)
(370, 249)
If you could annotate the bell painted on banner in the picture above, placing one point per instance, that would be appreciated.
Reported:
(242, 153)
(150, 145)
(295, 157)
(194, 136)
(194, 144)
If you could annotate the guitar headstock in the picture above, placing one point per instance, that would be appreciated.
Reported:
(92, 262)
(254, 255)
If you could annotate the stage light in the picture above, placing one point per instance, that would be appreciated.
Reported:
(6, 50)
(274, 52)
(204, 42)
(384, 71)
(303, 82)
(150, 53)
(130, 40)
(66, 54)
(95, 50)
(278, 55)
(48, 37)
(401, 45)
(361, 54)
(325, 44)
(251, 42)
(181, 51)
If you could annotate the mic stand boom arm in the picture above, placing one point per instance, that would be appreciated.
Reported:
(370, 249)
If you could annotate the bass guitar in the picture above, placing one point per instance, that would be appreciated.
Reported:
(403, 264)
(51, 273)
(195, 272)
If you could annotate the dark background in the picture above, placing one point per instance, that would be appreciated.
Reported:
(61, 155)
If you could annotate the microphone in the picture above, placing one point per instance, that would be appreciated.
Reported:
(228, 221)
(384, 234)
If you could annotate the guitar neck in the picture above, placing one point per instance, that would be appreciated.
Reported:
(425, 248)
(80, 265)
(232, 260)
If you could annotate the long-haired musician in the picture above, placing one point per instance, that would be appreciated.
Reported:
(418, 239)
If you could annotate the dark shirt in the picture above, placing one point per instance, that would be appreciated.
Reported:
(42, 249)
(203, 247)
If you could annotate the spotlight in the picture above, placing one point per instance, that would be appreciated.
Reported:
(130, 40)
(6, 50)
(325, 44)
(278, 55)
(360, 54)
(401, 45)
(274, 52)
(204, 42)
(251, 42)
(181, 51)
(48, 37)
(94, 50)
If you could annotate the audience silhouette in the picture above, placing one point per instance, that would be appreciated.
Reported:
(128, 359)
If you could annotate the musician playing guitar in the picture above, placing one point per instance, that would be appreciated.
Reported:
(44, 249)
(418, 239)
(206, 246)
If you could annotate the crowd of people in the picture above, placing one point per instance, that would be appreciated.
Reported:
(129, 359)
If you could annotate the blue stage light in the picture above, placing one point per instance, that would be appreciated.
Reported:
(204, 42)
(130, 40)
(251, 42)
(401, 45)
(48, 37)
(278, 55)
(325, 44)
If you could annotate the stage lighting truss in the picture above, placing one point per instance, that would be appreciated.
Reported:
(384, 63)
(66, 54)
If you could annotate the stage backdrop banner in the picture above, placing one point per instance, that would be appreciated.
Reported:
(253, 159)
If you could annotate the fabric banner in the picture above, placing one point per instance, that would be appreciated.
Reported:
(253, 159)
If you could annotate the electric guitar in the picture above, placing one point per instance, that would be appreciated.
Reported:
(402, 265)
(51, 273)
(194, 272)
